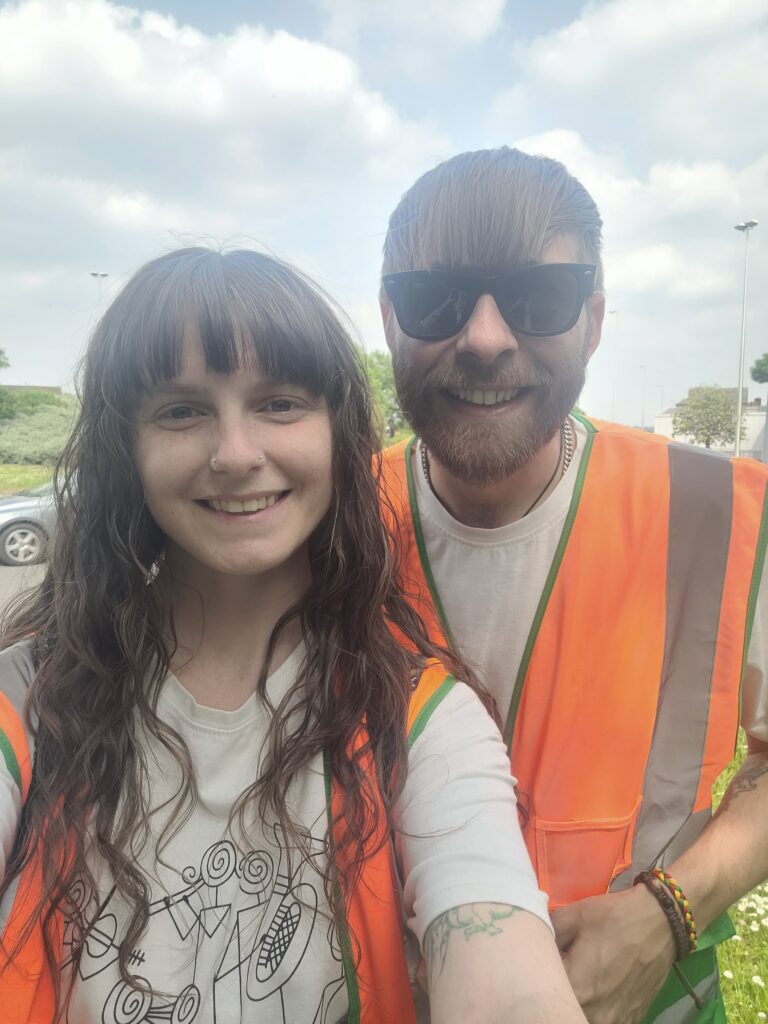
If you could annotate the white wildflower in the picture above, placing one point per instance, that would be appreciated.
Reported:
(736, 938)
(728, 974)
(757, 980)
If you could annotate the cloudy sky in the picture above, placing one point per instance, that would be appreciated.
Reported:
(128, 130)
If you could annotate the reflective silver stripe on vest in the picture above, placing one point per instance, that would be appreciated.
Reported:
(7, 903)
(685, 1011)
(700, 514)
(17, 670)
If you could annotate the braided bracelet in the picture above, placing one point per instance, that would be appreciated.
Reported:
(683, 904)
(667, 904)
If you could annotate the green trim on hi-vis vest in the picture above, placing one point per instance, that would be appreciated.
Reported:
(9, 757)
(345, 942)
(421, 546)
(754, 590)
(426, 712)
(517, 692)
(754, 587)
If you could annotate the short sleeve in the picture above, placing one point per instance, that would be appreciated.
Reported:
(754, 692)
(16, 670)
(458, 835)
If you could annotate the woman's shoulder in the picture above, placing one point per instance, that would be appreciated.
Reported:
(452, 713)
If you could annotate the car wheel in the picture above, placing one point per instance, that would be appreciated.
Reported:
(22, 544)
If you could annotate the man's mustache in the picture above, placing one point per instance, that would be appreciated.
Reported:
(448, 378)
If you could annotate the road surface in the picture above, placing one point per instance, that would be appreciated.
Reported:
(15, 579)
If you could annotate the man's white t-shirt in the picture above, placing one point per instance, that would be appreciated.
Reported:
(239, 931)
(490, 582)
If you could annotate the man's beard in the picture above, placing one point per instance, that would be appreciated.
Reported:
(485, 451)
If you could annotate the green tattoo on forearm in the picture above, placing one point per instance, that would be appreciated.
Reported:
(471, 919)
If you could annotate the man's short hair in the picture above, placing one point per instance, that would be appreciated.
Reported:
(491, 210)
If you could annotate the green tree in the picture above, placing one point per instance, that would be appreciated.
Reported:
(708, 416)
(378, 365)
(759, 374)
(759, 371)
(4, 361)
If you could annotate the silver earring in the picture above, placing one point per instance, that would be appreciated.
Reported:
(212, 463)
(151, 574)
(262, 459)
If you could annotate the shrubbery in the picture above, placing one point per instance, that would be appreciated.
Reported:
(20, 403)
(37, 437)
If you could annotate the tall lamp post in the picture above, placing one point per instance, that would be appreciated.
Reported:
(615, 367)
(745, 226)
(98, 276)
(642, 397)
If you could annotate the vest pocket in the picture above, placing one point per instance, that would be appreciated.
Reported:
(575, 859)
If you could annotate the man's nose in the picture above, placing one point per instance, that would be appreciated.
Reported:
(487, 335)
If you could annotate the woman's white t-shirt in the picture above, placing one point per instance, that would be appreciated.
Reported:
(239, 930)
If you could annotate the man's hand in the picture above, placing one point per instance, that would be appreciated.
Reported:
(617, 950)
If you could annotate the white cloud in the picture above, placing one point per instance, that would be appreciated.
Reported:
(621, 37)
(125, 132)
(665, 269)
(449, 21)
(684, 76)
(86, 66)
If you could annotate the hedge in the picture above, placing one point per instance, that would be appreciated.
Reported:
(37, 438)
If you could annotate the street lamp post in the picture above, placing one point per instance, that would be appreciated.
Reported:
(615, 362)
(745, 226)
(99, 276)
(642, 397)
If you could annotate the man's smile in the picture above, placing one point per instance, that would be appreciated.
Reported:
(484, 396)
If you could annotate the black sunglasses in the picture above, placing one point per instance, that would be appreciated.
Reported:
(540, 301)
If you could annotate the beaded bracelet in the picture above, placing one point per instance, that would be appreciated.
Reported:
(668, 905)
(685, 908)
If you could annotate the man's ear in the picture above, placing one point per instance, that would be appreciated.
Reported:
(388, 319)
(596, 317)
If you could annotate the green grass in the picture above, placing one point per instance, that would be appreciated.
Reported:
(21, 478)
(744, 958)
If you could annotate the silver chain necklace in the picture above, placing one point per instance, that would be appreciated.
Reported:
(564, 459)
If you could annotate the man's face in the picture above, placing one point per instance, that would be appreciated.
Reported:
(437, 383)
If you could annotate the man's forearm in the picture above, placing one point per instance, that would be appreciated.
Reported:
(731, 856)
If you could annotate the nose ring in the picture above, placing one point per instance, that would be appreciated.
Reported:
(212, 462)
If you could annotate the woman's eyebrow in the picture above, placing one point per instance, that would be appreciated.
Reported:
(172, 387)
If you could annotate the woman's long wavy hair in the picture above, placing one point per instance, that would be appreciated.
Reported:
(105, 640)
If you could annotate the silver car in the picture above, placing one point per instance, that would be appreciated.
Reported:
(27, 522)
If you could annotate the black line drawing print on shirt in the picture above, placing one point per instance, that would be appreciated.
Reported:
(266, 945)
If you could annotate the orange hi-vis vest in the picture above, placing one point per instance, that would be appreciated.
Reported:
(626, 702)
(372, 942)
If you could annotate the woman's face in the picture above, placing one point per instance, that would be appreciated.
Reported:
(253, 509)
